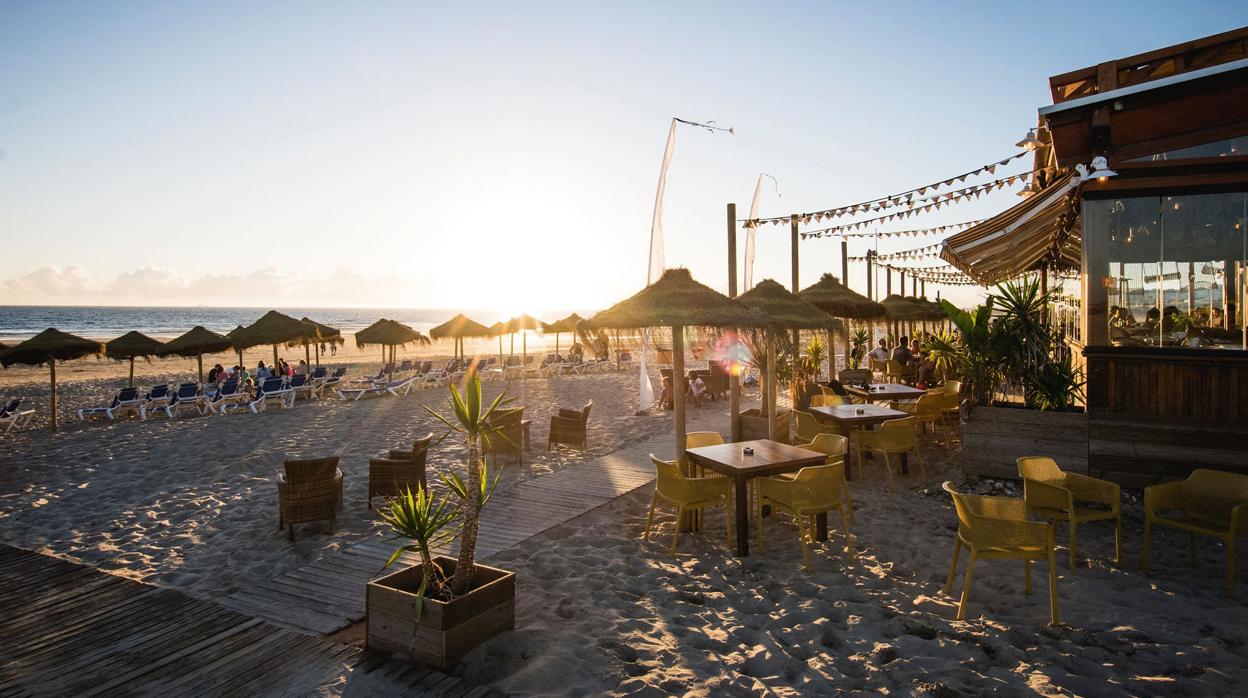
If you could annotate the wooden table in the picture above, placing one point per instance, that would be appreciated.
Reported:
(849, 419)
(885, 392)
(769, 458)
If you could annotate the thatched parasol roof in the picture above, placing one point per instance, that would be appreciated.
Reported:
(460, 326)
(497, 329)
(568, 324)
(273, 328)
(905, 309)
(676, 299)
(132, 345)
(389, 333)
(522, 322)
(837, 299)
(234, 332)
(786, 310)
(196, 342)
(47, 345)
(321, 333)
(936, 312)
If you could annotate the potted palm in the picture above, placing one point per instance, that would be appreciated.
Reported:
(437, 611)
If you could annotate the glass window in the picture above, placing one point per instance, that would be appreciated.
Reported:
(1176, 268)
(1226, 148)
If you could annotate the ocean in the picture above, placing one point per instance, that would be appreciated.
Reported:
(23, 321)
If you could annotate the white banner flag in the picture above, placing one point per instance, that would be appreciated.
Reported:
(655, 268)
(748, 266)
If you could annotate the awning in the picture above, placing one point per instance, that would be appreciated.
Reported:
(1045, 226)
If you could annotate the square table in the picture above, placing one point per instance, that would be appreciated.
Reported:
(847, 417)
(885, 392)
(769, 458)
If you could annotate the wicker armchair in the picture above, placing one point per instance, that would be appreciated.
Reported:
(309, 490)
(510, 437)
(569, 427)
(400, 472)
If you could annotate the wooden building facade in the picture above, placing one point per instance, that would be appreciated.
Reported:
(1141, 187)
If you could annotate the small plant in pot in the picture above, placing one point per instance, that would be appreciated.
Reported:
(437, 611)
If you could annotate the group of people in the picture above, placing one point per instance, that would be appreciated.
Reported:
(910, 354)
(247, 380)
(695, 391)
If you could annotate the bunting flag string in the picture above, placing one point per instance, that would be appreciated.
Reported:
(914, 232)
(905, 198)
(925, 252)
(934, 204)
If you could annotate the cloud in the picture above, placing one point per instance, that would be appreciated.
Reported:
(48, 283)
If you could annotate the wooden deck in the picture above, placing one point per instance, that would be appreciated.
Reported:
(69, 629)
(328, 594)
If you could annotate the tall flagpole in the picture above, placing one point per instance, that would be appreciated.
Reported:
(656, 264)
(751, 228)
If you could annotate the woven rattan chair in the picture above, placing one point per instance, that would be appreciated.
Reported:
(510, 437)
(309, 490)
(570, 427)
(400, 472)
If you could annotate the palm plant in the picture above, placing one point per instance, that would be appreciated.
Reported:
(980, 347)
(858, 342)
(1019, 306)
(1055, 385)
(945, 351)
(428, 522)
(816, 354)
(471, 421)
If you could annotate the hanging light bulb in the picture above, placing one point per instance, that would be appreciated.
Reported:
(1030, 142)
(1100, 169)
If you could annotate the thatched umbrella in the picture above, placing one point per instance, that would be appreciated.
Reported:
(47, 347)
(389, 334)
(568, 324)
(838, 300)
(235, 333)
(677, 301)
(784, 310)
(323, 334)
(273, 328)
(520, 323)
(131, 345)
(458, 328)
(498, 329)
(903, 309)
(197, 342)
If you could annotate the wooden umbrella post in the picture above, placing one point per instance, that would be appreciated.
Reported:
(524, 352)
(770, 399)
(307, 353)
(274, 357)
(678, 407)
(131, 371)
(52, 370)
(200, 359)
(734, 380)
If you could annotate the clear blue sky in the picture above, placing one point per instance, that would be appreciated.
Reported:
(438, 155)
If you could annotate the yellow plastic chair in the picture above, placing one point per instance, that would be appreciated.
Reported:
(951, 411)
(929, 409)
(1213, 503)
(827, 400)
(698, 439)
(825, 390)
(836, 448)
(688, 493)
(815, 490)
(894, 437)
(995, 528)
(1054, 494)
(897, 373)
(808, 427)
(954, 387)
(880, 367)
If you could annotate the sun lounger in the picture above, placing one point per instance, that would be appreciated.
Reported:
(381, 376)
(128, 400)
(327, 379)
(405, 366)
(228, 395)
(396, 388)
(433, 379)
(158, 397)
(299, 385)
(319, 372)
(271, 390)
(188, 397)
(12, 416)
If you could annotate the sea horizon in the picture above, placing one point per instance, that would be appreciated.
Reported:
(19, 322)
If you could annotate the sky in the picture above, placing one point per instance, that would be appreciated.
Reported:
(446, 155)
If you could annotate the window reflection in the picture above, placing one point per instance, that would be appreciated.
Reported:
(1176, 270)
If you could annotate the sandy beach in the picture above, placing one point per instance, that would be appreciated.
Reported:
(191, 504)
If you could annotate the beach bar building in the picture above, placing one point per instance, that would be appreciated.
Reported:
(1138, 212)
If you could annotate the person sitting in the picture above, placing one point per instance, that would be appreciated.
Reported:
(665, 397)
(262, 372)
(880, 353)
(696, 388)
(303, 368)
(577, 353)
(902, 353)
(213, 374)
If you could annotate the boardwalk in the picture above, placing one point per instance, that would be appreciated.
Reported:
(328, 594)
(68, 629)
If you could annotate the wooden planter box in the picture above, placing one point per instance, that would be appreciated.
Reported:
(446, 631)
(753, 425)
(993, 438)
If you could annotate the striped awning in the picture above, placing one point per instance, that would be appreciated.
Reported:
(1042, 230)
